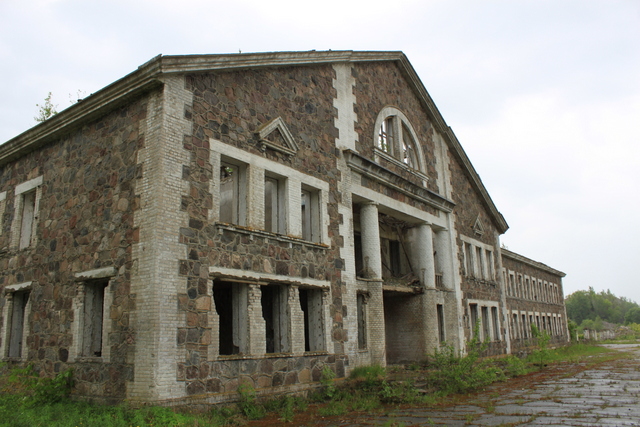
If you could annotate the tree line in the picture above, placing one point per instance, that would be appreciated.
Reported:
(589, 309)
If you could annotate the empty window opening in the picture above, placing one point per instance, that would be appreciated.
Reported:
(468, 256)
(490, 270)
(362, 321)
(311, 305)
(494, 320)
(232, 203)
(486, 330)
(357, 247)
(408, 148)
(385, 135)
(525, 333)
(16, 332)
(310, 214)
(27, 220)
(440, 313)
(480, 263)
(274, 205)
(231, 306)
(514, 326)
(473, 310)
(274, 313)
(93, 319)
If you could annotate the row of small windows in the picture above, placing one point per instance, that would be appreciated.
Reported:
(486, 319)
(521, 324)
(279, 309)
(521, 286)
(478, 262)
(234, 202)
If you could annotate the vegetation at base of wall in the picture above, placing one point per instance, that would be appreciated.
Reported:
(29, 400)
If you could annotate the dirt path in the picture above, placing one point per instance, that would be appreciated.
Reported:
(568, 395)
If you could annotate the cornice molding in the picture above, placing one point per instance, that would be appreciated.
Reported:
(396, 182)
(517, 257)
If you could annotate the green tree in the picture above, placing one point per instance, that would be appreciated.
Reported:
(632, 316)
(46, 110)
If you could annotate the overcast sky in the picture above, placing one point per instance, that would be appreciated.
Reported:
(543, 95)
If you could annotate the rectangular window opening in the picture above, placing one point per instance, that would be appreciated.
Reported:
(274, 313)
(485, 323)
(362, 321)
(481, 272)
(232, 193)
(496, 325)
(16, 333)
(468, 256)
(27, 219)
(440, 313)
(473, 310)
(230, 301)
(310, 215)
(93, 318)
(274, 212)
(311, 305)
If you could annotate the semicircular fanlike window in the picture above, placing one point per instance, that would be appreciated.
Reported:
(396, 139)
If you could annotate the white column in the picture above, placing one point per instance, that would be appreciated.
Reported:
(370, 233)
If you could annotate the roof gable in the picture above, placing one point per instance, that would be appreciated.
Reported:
(149, 75)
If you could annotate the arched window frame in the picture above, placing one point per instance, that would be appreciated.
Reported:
(396, 141)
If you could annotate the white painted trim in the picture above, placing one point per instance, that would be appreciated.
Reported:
(28, 185)
(17, 287)
(99, 273)
(389, 204)
(269, 165)
(3, 196)
(233, 274)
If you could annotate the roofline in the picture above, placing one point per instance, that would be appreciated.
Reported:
(517, 257)
(148, 77)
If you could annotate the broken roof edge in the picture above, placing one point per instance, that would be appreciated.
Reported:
(537, 264)
(147, 77)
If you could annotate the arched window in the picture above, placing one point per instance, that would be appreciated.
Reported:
(396, 140)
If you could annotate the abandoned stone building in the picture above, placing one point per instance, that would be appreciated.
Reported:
(217, 219)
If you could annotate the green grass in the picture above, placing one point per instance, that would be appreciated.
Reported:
(27, 400)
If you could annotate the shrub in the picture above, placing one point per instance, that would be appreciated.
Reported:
(247, 403)
(454, 373)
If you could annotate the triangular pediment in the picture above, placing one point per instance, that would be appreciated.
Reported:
(275, 135)
(478, 228)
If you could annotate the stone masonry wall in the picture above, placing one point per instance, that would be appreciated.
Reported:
(522, 301)
(382, 84)
(230, 107)
(85, 222)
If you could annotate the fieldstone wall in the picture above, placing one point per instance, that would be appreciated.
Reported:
(379, 85)
(230, 107)
(85, 222)
(533, 301)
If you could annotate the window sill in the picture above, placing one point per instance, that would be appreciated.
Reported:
(262, 233)
(14, 359)
(230, 357)
(89, 359)
(388, 157)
